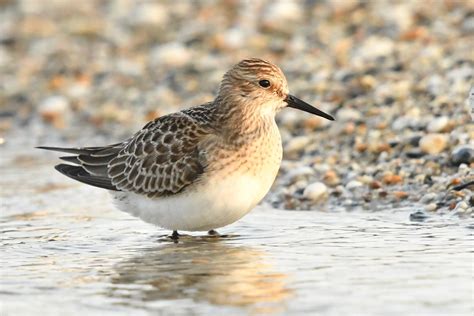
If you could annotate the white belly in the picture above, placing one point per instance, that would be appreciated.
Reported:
(215, 203)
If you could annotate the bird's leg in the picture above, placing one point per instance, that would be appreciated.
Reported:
(212, 232)
(175, 235)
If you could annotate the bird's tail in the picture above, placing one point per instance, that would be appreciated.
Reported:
(89, 164)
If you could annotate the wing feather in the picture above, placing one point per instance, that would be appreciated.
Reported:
(158, 162)
(161, 159)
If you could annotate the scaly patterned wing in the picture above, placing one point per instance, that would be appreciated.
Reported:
(161, 159)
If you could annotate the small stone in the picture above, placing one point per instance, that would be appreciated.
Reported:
(375, 185)
(418, 216)
(383, 194)
(296, 174)
(439, 124)
(401, 123)
(233, 38)
(427, 198)
(374, 47)
(281, 16)
(331, 178)
(360, 147)
(433, 143)
(391, 179)
(401, 195)
(414, 140)
(462, 154)
(172, 54)
(455, 181)
(365, 179)
(463, 168)
(315, 191)
(379, 147)
(415, 154)
(54, 109)
(315, 122)
(149, 14)
(348, 114)
(353, 184)
(431, 207)
(297, 144)
(461, 207)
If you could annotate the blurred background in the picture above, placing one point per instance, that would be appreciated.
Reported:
(395, 74)
(388, 184)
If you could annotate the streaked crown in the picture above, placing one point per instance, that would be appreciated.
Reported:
(255, 81)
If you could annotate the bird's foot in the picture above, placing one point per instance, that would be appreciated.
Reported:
(175, 235)
(213, 232)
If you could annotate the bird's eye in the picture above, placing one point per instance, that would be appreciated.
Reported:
(264, 83)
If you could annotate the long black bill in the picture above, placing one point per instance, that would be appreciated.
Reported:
(294, 102)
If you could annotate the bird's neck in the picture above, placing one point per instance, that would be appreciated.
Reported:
(244, 121)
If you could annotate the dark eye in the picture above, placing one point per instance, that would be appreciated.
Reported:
(264, 83)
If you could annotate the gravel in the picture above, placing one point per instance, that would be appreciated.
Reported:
(396, 77)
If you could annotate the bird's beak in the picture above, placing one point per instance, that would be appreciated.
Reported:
(294, 102)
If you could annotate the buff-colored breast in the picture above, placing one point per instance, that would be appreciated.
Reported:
(234, 182)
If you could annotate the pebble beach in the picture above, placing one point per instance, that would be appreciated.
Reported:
(396, 76)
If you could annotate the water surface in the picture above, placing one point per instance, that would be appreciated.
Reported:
(65, 250)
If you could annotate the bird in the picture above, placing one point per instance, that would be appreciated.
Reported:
(201, 168)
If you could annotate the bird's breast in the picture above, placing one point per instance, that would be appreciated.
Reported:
(252, 166)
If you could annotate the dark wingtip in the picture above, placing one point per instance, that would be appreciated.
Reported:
(71, 159)
(65, 169)
(66, 150)
(51, 148)
(79, 174)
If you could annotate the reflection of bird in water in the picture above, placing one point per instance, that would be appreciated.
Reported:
(205, 269)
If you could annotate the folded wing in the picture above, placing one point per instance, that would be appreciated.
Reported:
(161, 159)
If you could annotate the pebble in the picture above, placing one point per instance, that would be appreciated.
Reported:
(353, 184)
(418, 216)
(415, 154)
(298, 173)
(401, 195)
(439, 124)
(297, 144)
(375, 185)
(402, 123)
(54, 110)
(376, 46)
(431, 207)
(427, 198)
(391, 179)
(433, 143)
(331, 178)
(462, 154)
(461, 207)
(171, 54)
(149, 13)
(282, 15)
(373, 79)
(348, 114)
(315, 191)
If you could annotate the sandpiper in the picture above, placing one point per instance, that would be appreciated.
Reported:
(201, 168)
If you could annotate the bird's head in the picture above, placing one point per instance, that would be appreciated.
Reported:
(260, 86)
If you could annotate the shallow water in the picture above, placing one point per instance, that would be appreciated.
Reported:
(65, 250)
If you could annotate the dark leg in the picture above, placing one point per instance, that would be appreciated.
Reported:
(174, 235)
(212, 232)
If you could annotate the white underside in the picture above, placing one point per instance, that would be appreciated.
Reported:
(215, 203)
